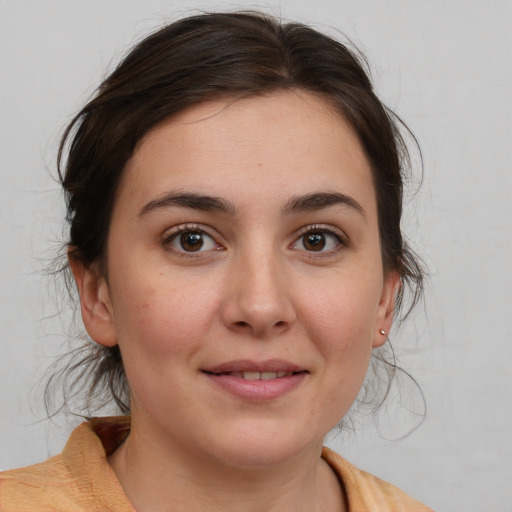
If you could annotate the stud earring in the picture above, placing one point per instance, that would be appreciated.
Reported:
(383, 332)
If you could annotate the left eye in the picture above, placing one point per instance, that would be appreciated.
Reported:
(192, 241)
(317, 241)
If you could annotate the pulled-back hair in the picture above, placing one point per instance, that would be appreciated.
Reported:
(202, 58)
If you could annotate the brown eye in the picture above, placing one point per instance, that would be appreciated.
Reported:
(319, 240)
(192, 241)
(314, 241)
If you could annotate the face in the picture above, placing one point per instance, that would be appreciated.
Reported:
(245, 285)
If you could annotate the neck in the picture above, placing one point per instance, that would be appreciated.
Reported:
(158, 477)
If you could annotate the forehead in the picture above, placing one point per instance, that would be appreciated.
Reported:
(254, 149)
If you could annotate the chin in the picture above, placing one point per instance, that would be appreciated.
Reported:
(264, 447)
(258, 457)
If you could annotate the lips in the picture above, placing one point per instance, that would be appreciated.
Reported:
(259, 375)
(257, 381)
(248, 366)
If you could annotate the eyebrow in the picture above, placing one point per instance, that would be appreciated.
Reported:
(299, 204)
(320, 200)
(190, 200)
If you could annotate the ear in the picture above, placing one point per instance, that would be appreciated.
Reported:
(386, 308)
(95, 303)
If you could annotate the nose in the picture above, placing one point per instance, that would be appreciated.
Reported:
(259, 301)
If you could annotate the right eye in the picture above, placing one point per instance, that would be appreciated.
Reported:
(191, 240)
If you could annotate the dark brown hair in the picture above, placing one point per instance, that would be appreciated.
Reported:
(197, 59)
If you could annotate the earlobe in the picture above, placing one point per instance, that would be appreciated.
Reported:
(95, 304)
(392, 283)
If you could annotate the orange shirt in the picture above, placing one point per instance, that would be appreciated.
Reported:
(81, 480)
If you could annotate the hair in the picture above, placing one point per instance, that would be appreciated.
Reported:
(202, 58)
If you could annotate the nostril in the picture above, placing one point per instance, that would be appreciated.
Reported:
(280, 324)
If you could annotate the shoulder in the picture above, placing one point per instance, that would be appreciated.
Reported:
(366, 492)
(80, 478)
(47, 486)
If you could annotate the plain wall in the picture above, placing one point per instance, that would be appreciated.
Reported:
(445, 67)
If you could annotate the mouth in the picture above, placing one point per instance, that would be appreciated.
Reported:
(250, 375)
(254, 370)
(257, 381)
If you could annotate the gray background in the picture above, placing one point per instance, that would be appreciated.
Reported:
(445, 66)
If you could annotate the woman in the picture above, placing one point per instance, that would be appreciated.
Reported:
(234, 197)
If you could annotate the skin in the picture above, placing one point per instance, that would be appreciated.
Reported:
(255, 290)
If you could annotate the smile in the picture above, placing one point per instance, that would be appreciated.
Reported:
(258, 375)
(256, 381)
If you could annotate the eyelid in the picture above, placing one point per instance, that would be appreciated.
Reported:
(172, 233)
(327, 229)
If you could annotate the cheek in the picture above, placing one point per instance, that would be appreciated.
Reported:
(342, 315)
(341, 324)
(161, 328)
(162, 317)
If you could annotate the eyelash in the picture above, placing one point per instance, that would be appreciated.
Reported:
(177, 231)
(322, 229)
(325, 230)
